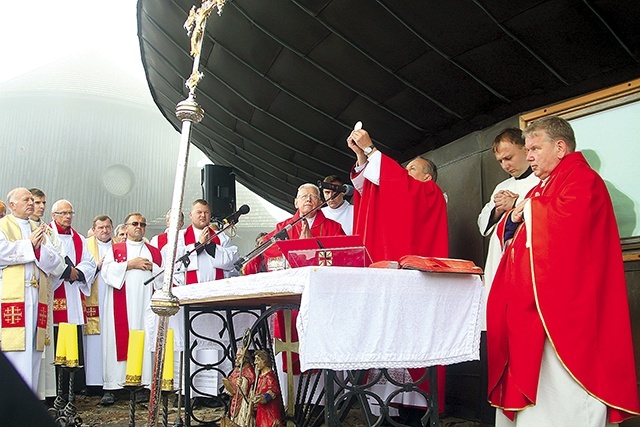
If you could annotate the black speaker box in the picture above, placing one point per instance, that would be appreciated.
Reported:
(219, 190)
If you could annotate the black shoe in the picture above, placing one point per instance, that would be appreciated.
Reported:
(108, 399)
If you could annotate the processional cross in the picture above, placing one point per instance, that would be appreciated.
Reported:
(163, 302)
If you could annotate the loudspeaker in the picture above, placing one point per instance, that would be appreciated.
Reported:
(219, 190)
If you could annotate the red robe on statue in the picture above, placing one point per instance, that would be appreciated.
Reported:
(566, 285)
(402, 216)
(269, 414)
(322, 226)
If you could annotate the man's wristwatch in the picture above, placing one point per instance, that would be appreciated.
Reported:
(368, 150)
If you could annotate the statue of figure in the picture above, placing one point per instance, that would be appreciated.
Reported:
(267, 399)
(195, 22)
(239, 386)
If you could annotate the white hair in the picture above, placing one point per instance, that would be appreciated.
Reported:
(12, 194)
(54, 208)
(308, 185)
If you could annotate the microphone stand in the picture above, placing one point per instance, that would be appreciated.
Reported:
(280, 235)
(184, 259)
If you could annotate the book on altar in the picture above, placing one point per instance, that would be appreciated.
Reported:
(337, 251)
(431, 264)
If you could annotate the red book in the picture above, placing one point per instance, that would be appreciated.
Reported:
(431, 264)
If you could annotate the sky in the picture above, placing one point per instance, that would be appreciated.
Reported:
(35, 33)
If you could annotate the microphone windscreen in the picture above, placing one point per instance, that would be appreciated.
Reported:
(348, 190)
(244, 209)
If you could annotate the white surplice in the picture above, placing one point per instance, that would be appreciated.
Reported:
(342, 214)
(27, 362)
(93, 360)
(138, 295)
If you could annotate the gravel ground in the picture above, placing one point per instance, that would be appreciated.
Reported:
(117, 415)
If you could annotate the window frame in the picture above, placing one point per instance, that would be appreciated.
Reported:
(585, 105)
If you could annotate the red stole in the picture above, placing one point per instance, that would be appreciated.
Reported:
(190, 239)
(162, 240)
(568, 287)
(120, 316)
(401, 216)
(60, 295)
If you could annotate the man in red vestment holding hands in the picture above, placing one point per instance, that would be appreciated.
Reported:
(398, 211)
(558, 330)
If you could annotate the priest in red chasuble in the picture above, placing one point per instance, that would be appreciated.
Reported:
(316, 225)
(558, 329)
(398, 211)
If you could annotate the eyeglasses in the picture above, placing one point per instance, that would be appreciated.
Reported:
(136, 224)
(308, 196)
(65, 213)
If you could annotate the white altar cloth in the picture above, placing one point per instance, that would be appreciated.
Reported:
(284, 282)
(362, 318)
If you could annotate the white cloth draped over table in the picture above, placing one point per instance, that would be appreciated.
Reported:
(354, 318)
(361, 318)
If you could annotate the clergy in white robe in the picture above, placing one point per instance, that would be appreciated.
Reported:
(125, 270)
(99, 246)
(26, 259)
(75, 284)
(508, 147)
(338, 209)
(211, 261)
(48, 381)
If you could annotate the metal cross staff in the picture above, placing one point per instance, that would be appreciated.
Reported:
(163, 302)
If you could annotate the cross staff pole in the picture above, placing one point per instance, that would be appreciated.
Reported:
(163, 302)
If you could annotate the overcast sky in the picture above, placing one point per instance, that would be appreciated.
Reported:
(37, 32)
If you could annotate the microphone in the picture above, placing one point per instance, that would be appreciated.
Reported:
(233, 218)
(344, 188)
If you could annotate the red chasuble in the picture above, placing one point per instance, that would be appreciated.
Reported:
(322, 226)
(568, 286)
(401, 216)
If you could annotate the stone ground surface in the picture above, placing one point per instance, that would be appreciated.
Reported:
(117, 415)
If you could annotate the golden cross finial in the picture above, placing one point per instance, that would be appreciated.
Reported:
(195, 25)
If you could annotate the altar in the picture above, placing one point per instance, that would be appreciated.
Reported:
(356, 319)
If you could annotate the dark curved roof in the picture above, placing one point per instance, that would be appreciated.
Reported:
(285, 80)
